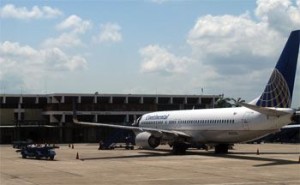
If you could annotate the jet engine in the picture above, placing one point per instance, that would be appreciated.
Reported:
(146, 140)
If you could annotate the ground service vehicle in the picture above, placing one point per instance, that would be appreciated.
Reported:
(38, 152)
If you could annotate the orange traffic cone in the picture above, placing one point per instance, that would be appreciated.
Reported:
(257, 151)
(77, 156)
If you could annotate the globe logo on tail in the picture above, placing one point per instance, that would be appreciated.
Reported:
(276, 93)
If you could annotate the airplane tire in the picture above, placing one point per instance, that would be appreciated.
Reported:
(179, 149)
(221, 148)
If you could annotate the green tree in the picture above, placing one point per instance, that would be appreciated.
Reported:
(223, 102)
(236, 102)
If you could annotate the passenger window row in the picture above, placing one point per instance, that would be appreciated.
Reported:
(226, 121)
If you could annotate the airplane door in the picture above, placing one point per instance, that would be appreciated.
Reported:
(245, 120)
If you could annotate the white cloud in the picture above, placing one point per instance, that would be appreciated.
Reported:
(64, 40)
(236, 43)
(75, 24)
(10, 11)
(281, 15)
(232, 43)
(74, 27)
(230, 53)
(55, 59)
(52, 58)
(26, 66)
(241, 48)
(109, 32)
(158, 59)
(158, 1)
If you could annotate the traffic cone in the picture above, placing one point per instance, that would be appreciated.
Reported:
(72, 146)
(77, 156)
(69, 145)
(257, 151)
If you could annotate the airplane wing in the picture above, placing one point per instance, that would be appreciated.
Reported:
(155, 132)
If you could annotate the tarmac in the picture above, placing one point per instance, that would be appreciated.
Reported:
(246, 164)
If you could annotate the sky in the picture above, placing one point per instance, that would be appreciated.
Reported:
(144, 47)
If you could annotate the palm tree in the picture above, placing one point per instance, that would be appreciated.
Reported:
(223, 102)
(237, 101)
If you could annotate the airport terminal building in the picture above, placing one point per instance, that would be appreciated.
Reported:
(48, 117)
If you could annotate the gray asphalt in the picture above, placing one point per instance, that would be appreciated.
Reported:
(275, 164)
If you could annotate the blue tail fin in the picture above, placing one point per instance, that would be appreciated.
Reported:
(279, 90)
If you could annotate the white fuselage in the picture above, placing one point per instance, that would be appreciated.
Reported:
(222, 125)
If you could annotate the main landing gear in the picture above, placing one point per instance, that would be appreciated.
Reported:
(179, 148)
(221, 148)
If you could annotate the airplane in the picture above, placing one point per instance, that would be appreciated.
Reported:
(222, 127)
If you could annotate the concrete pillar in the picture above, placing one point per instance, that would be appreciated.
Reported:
(127, 118)
(21, 100)
(79, 99)
(156, 100)
(49, 100)
(37, 100)
(171, 100)
(4, 100)
(96, 118)
(185, 100)
(141, 100)
(54, 100)
(111, 99)
(199, 100)
(53, 119)
(62, 99)
(213, 102)
(95, 99)
(63, 118)
(181, 107)
(61, 132)
(126, 100)
(19, 112)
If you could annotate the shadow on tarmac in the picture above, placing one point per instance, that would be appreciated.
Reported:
(252, 156)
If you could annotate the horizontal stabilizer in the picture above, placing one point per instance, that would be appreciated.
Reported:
(263, 110)
(291, 126)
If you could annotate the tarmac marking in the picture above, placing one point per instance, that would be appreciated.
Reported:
(250, 183)
(233, 183)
